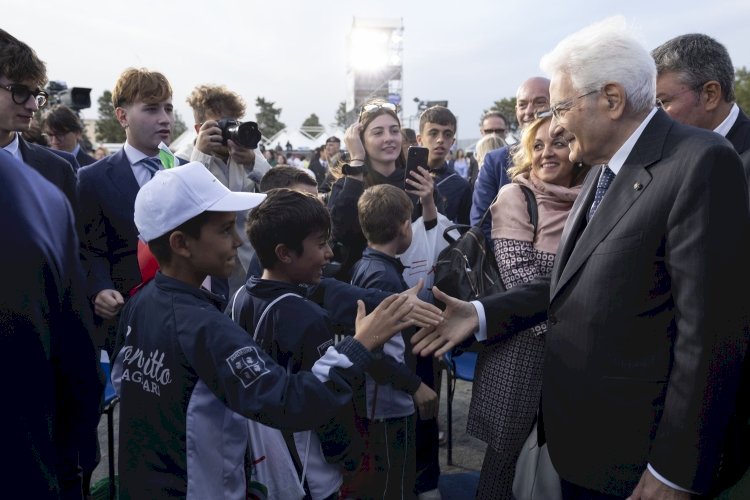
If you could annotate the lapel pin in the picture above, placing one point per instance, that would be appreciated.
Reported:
(637, 186)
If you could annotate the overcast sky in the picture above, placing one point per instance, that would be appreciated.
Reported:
(294, 53)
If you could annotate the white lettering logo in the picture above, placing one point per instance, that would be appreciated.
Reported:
(146, 370)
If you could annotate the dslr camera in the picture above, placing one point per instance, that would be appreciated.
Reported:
(246, 134)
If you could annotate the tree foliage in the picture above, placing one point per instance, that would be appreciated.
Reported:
(506, 106)
(742, 88)
(311, 121)
(267, 117)
(341, 115)
(179, 125)
(107, 128)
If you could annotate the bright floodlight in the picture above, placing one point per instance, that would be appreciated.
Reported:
(369, 49)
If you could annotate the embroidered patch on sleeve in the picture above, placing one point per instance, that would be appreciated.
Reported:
(322, 348)
(247, 365)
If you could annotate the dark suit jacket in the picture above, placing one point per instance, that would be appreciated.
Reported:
(646, 338)
(52, 167)
(739, 134)
(107, 190)
(45, 325)
(84, 158)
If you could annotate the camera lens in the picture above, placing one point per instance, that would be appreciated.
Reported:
(247, 134)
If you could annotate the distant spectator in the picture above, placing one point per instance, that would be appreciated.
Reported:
(64, 131)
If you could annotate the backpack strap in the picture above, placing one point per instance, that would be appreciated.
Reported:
(531, 206)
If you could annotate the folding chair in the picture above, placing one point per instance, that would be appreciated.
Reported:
(110, 402)
(460, 366)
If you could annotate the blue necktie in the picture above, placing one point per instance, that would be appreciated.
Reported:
(153, 165)
(605, 180)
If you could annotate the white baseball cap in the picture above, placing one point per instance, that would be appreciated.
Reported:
(178, 194)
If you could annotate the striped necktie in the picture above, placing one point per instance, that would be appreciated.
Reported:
(605, 180)
(152, 164)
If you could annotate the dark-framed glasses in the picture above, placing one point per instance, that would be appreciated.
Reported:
(665, 102)
(498, 131)
(559, 110)
(20, 93)
(374, 106)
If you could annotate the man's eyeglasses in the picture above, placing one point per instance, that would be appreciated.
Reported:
(498, 131)
(559, 110)
(20, 94)
(374, 106)
(666, 101)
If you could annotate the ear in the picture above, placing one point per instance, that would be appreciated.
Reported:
(197, 127)
(179, 243)
(405, 227)
(616, 100)
(712, 92)
(283, 253)
(122, 116)
(419, 139)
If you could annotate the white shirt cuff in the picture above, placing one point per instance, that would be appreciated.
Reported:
(666, 481)
(481, 333)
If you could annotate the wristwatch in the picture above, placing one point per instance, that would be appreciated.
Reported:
(353, 169)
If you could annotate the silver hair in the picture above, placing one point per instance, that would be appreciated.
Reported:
(604, 52)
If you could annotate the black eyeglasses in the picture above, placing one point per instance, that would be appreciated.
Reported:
(665, 102)
(20, 94)
(559, 110)
(498, 131)
(369, 108)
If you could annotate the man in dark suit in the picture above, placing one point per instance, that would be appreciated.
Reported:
(532, 96)
(695, 85)
(45, 323)
(107, 190)
(64, 129)
(22, 76)
(646, 340)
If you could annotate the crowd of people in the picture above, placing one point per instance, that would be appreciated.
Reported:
(241, 293)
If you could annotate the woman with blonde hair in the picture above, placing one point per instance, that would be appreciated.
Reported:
(507, 384)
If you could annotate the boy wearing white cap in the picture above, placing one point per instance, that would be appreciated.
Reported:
(187, 376)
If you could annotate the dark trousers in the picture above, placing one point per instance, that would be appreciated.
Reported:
(572, 491)
(428, 447)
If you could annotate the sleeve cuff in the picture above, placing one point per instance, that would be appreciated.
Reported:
(355, 351)
(666, 481)
(481, 333)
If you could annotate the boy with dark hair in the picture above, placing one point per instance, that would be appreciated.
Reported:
(437, 132)
(64, 131)
(290, 232)
(22, 77)
(285, 176)
(385, 217)
(184, 368)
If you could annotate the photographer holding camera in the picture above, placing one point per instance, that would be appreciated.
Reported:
(227, 147)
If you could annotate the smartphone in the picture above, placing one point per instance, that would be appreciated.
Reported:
(416, 157)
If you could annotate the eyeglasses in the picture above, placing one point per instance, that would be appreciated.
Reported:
(666, 101)
(369, 108)
(498, 131)
(559, 110)
(20, 94)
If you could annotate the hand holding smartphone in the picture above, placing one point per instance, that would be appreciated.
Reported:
(416, 156)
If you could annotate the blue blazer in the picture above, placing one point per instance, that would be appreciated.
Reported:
(52, 166)
(492, 176)
(107, 190)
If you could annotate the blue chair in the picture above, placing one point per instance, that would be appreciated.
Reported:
(110, 402)
(458, 367)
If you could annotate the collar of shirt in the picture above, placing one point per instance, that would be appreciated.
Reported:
(618, 159)
(378, 255)
(13, 148)
(725, 126)
(134, 155)
(76, 150)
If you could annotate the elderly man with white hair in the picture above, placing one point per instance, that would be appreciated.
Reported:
(646, 340)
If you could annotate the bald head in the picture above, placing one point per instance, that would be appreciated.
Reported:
(532, 96)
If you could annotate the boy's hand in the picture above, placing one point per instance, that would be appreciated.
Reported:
(461, 321)
(108, 303)
(383, 323)
(424, 314)
(422, 185)
(426, 401)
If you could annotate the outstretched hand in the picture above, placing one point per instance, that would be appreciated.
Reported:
(460, 321)
(389, 318)
(423, 314)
